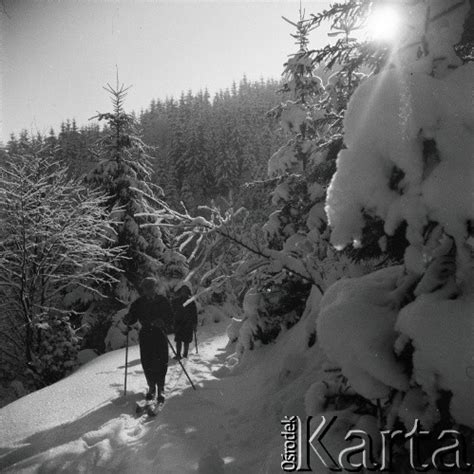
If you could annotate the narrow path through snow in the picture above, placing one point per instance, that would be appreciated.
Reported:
(83, 424)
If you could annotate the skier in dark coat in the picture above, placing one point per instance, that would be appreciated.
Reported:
(185, 319)
(154, 313)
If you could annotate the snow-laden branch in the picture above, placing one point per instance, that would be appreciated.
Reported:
(222, 225)
(53, 242)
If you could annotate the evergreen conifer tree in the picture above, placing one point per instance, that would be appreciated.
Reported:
(124, 174)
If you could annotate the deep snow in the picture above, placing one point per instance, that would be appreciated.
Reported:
(84, 423)
(230, 424)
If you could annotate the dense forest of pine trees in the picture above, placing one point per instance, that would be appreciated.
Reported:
(206, 148)
(201, 148)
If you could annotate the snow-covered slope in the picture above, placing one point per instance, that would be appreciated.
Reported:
(230, 424)
(84, 424)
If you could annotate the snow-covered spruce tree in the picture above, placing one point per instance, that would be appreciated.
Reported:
(281, 293)
(403, 335)
(297, 230)
(215, 244)
(51, 244)
(124, 175)
(280, 266)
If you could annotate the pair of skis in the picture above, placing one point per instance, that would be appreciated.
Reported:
(151, 408)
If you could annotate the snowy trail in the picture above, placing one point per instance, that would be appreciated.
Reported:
(83, 424)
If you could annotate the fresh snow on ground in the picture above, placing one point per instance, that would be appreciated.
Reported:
(230, 424)
(84, 424)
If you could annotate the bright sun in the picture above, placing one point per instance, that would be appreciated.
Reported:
(383, 23)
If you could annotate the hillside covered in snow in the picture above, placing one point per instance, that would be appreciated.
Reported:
(231, 423)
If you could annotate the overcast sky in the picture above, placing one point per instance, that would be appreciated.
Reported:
(57, 55)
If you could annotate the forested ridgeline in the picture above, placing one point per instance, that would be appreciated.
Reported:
(201, 148)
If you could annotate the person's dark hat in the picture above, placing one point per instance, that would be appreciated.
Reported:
(184, 285)
(149, 283)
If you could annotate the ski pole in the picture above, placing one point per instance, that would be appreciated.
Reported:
(126, 365)
(195, 341)
(180, 363)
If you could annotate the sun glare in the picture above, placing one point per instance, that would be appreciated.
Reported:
(383, 23)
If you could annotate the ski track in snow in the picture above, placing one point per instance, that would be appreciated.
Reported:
(85, 424)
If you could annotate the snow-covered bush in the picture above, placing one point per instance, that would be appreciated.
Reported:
(356, 330)
(56, 355)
